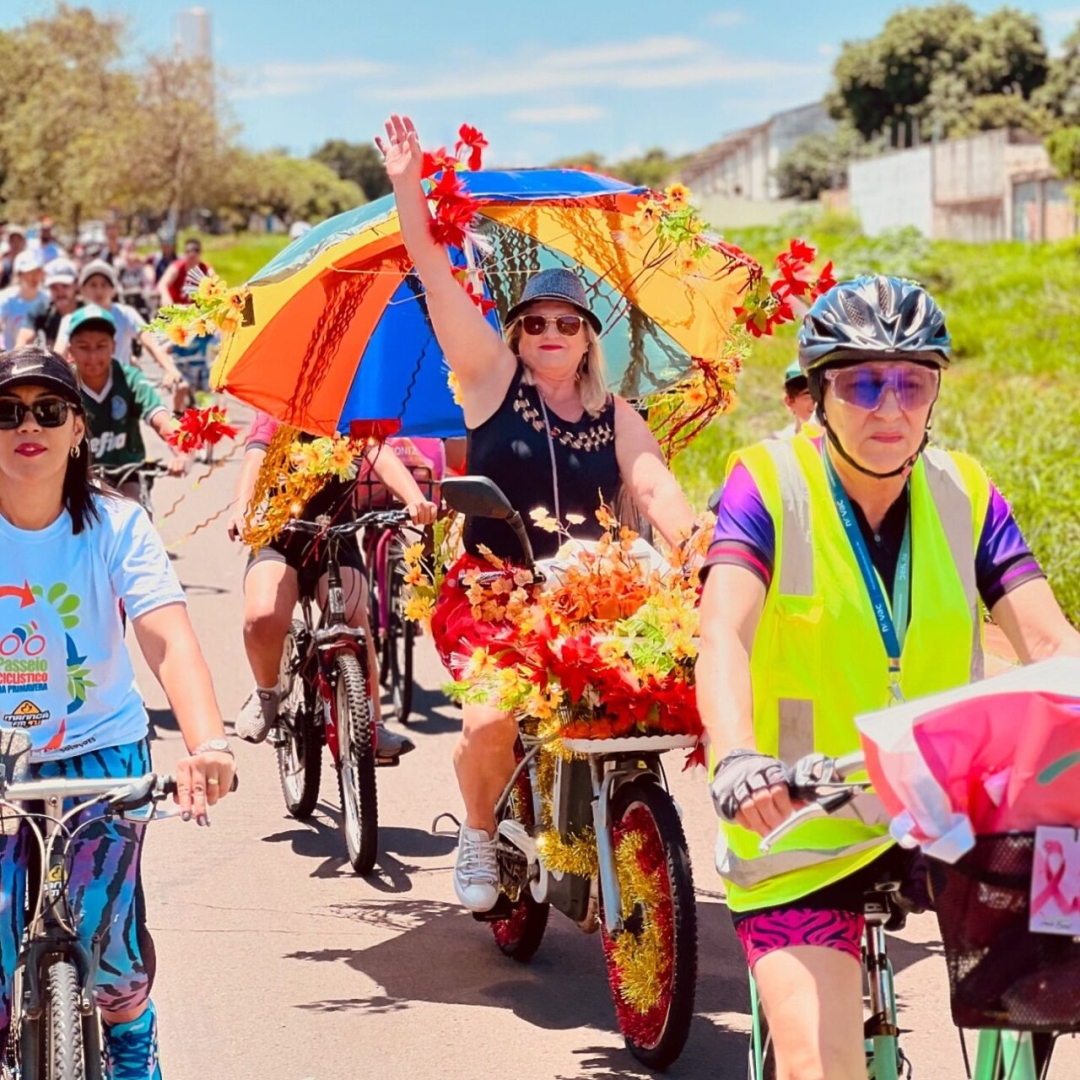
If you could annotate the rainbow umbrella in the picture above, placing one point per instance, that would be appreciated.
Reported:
(337, 332)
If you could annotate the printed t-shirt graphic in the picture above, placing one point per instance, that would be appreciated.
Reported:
(115, 414)
(65, 674)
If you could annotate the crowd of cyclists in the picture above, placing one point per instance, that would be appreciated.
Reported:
(849, 567)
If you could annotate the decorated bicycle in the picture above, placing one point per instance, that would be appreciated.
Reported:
(600, 680)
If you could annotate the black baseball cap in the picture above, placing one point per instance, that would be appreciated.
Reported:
(34, 366)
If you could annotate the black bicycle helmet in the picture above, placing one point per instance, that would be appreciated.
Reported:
(874, 318)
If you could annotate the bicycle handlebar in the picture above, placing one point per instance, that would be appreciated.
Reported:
(131, 791)
(119, 474)
(822, 799)
(384, 519)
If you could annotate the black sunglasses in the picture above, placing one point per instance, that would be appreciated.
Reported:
(49, 413)
(567, 325)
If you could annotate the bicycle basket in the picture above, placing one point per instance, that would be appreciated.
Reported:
(1001, 975)
(15, 762)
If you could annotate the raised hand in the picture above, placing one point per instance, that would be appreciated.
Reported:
(401, 151)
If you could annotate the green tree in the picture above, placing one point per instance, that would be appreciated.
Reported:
(922, 73)
(65, 106)
(359, 162)
(818, 163)
(1061, 92)
(1064, 149)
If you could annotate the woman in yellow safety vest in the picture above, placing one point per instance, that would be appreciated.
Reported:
(847, 570)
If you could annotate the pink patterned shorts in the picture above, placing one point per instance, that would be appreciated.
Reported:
(764, 932)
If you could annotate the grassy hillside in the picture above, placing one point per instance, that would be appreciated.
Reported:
(1011, 398)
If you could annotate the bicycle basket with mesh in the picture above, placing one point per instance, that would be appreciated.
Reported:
(1001, 975)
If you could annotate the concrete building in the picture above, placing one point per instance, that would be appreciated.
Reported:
(742, 165)
(193, 40)
(997, 185)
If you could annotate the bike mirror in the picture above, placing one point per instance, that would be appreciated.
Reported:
(476, 496)
(15, 763)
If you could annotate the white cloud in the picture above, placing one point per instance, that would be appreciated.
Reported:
(651, 48)
(726, 18)
(1063, 16)
(648, 64)
(559, 114)
(288, 78)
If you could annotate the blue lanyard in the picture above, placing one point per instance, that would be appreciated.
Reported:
(892, 619)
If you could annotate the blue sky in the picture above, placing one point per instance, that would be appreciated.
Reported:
(542, 80)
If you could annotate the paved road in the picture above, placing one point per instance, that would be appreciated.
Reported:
(276, 962)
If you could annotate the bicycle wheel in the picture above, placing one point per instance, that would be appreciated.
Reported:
(398, 651)
(652, 964)
(63, 1026)
(519, 935)
(356, 763)
(299, 745)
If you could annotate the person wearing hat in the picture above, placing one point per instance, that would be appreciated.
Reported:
(797, 400)
(116, 397)
(99, 284)
(15, 237)
(848, 570)
(44, 320)
(543, 425)
(78, 553)
(23, 297)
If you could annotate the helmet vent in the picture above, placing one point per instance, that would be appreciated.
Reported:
(853, 309)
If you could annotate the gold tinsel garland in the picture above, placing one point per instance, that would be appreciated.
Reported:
(643, 959)
(282, 490)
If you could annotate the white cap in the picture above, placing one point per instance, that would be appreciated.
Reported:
(99, 266)
(60, 272)
(27, 261)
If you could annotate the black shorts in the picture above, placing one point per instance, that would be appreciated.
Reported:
(308, 558)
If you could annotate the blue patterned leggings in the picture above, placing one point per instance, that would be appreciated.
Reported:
(104, 889)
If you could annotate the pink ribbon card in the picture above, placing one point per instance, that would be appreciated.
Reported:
(1055, 882)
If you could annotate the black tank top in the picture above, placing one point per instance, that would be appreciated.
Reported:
(511, 448)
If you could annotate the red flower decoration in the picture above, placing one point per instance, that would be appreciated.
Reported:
(438, 162)
(201, 427)
(473, 139)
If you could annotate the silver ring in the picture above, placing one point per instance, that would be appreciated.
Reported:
(212, 780)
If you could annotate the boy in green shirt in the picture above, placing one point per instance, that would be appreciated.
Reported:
(116, 396)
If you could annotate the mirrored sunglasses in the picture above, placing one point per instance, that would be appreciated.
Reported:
(567, 325)
(864, 387)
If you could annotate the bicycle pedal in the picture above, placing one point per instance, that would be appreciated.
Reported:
(388, 762)
(503, 909)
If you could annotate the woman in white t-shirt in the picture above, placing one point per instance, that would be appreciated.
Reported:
(72, 554)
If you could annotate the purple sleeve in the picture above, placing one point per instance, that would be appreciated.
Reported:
(1003, 560)
(745, 535)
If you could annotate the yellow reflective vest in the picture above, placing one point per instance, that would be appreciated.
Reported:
(818, 658)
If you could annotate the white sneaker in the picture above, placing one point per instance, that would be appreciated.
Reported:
(258, 715)
(476, 875)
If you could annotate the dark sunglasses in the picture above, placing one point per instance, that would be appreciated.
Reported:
(865, 388)
(567, 325)
(50, 413)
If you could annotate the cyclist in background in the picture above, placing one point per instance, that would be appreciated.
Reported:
(277, 574)
(803, 628)
(116, 398)
(797, 400)
(43, 323)
(174, 286)
(24, 296)
(15, 237)
(78, 554)
(99, 284)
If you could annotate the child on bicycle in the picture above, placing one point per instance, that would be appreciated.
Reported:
(116, 398)
(72, 554)
(281, 571)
